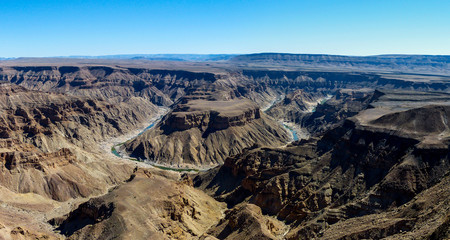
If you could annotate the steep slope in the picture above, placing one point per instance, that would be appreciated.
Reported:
(148, 206)
(356, 172)
(51, 121)
(344, 104)
(113, 83)
(202, 133)
(428, 120)
(294, 106)
(246, 221)
(49, 156)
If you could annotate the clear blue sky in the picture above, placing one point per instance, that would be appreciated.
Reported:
(361, 27)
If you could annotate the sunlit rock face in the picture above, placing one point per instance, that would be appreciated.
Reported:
(383, 163)
(203, 133)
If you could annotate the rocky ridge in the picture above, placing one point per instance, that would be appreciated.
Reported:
(49, 154)
(202, 133)
(114, 83)
(355, 172)
(173, 210)
(294, 105)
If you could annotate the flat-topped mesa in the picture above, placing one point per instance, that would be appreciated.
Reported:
(212, 115)
(201, 133)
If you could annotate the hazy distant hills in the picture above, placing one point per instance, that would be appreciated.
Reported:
(414, 63)
(165, 57)
(431, 60)
(424, 64)
(153, 57)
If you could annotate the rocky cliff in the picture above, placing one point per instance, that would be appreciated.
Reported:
(295, 105)
(344, 104)
(114, 83)
(202, 133)
(44, 138)
(49, 120)
(148, 206)
(355, 172)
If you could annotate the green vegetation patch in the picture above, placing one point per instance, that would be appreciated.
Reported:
(176, 169)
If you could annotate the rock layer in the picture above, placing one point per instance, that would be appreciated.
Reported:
(44, 138)
(203, 133)
(355, 172)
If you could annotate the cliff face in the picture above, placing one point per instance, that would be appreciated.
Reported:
(353, 173)
(246, 221)
(203, 133)
(344, 104)
(161, 87)
(48, 141)
(165, 87)
(50, 121)
(428, 120)
(212, 115)
(295, 105)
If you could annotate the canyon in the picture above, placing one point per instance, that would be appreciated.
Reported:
(372, 158)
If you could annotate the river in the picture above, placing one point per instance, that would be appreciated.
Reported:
(163, 111)
(121, 140)
(291, 126)
(154, 121)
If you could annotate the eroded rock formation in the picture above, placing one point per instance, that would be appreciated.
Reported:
(358, 170)
(376, 167)
(148, 206)
(202, 133)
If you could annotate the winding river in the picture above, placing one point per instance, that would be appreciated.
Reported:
(155, 120)
(290, 129)
(163, 111)
(114, 149)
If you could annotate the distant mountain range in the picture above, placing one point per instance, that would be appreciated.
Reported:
(405, 63)
(430, 64)
(275, 57)
(325, 58)
(165, 57)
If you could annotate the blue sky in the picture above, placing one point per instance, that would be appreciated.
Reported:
(37, 28)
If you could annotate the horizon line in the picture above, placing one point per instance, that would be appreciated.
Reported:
(223, 54)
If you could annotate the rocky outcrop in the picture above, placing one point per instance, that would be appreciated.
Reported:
(50, 121)
(172, 210)
(212, 116)
(295, 105)
(203, 133)
(344, 104)
(44, 138)
(246, 221)
(355, 172)
(428, 120)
